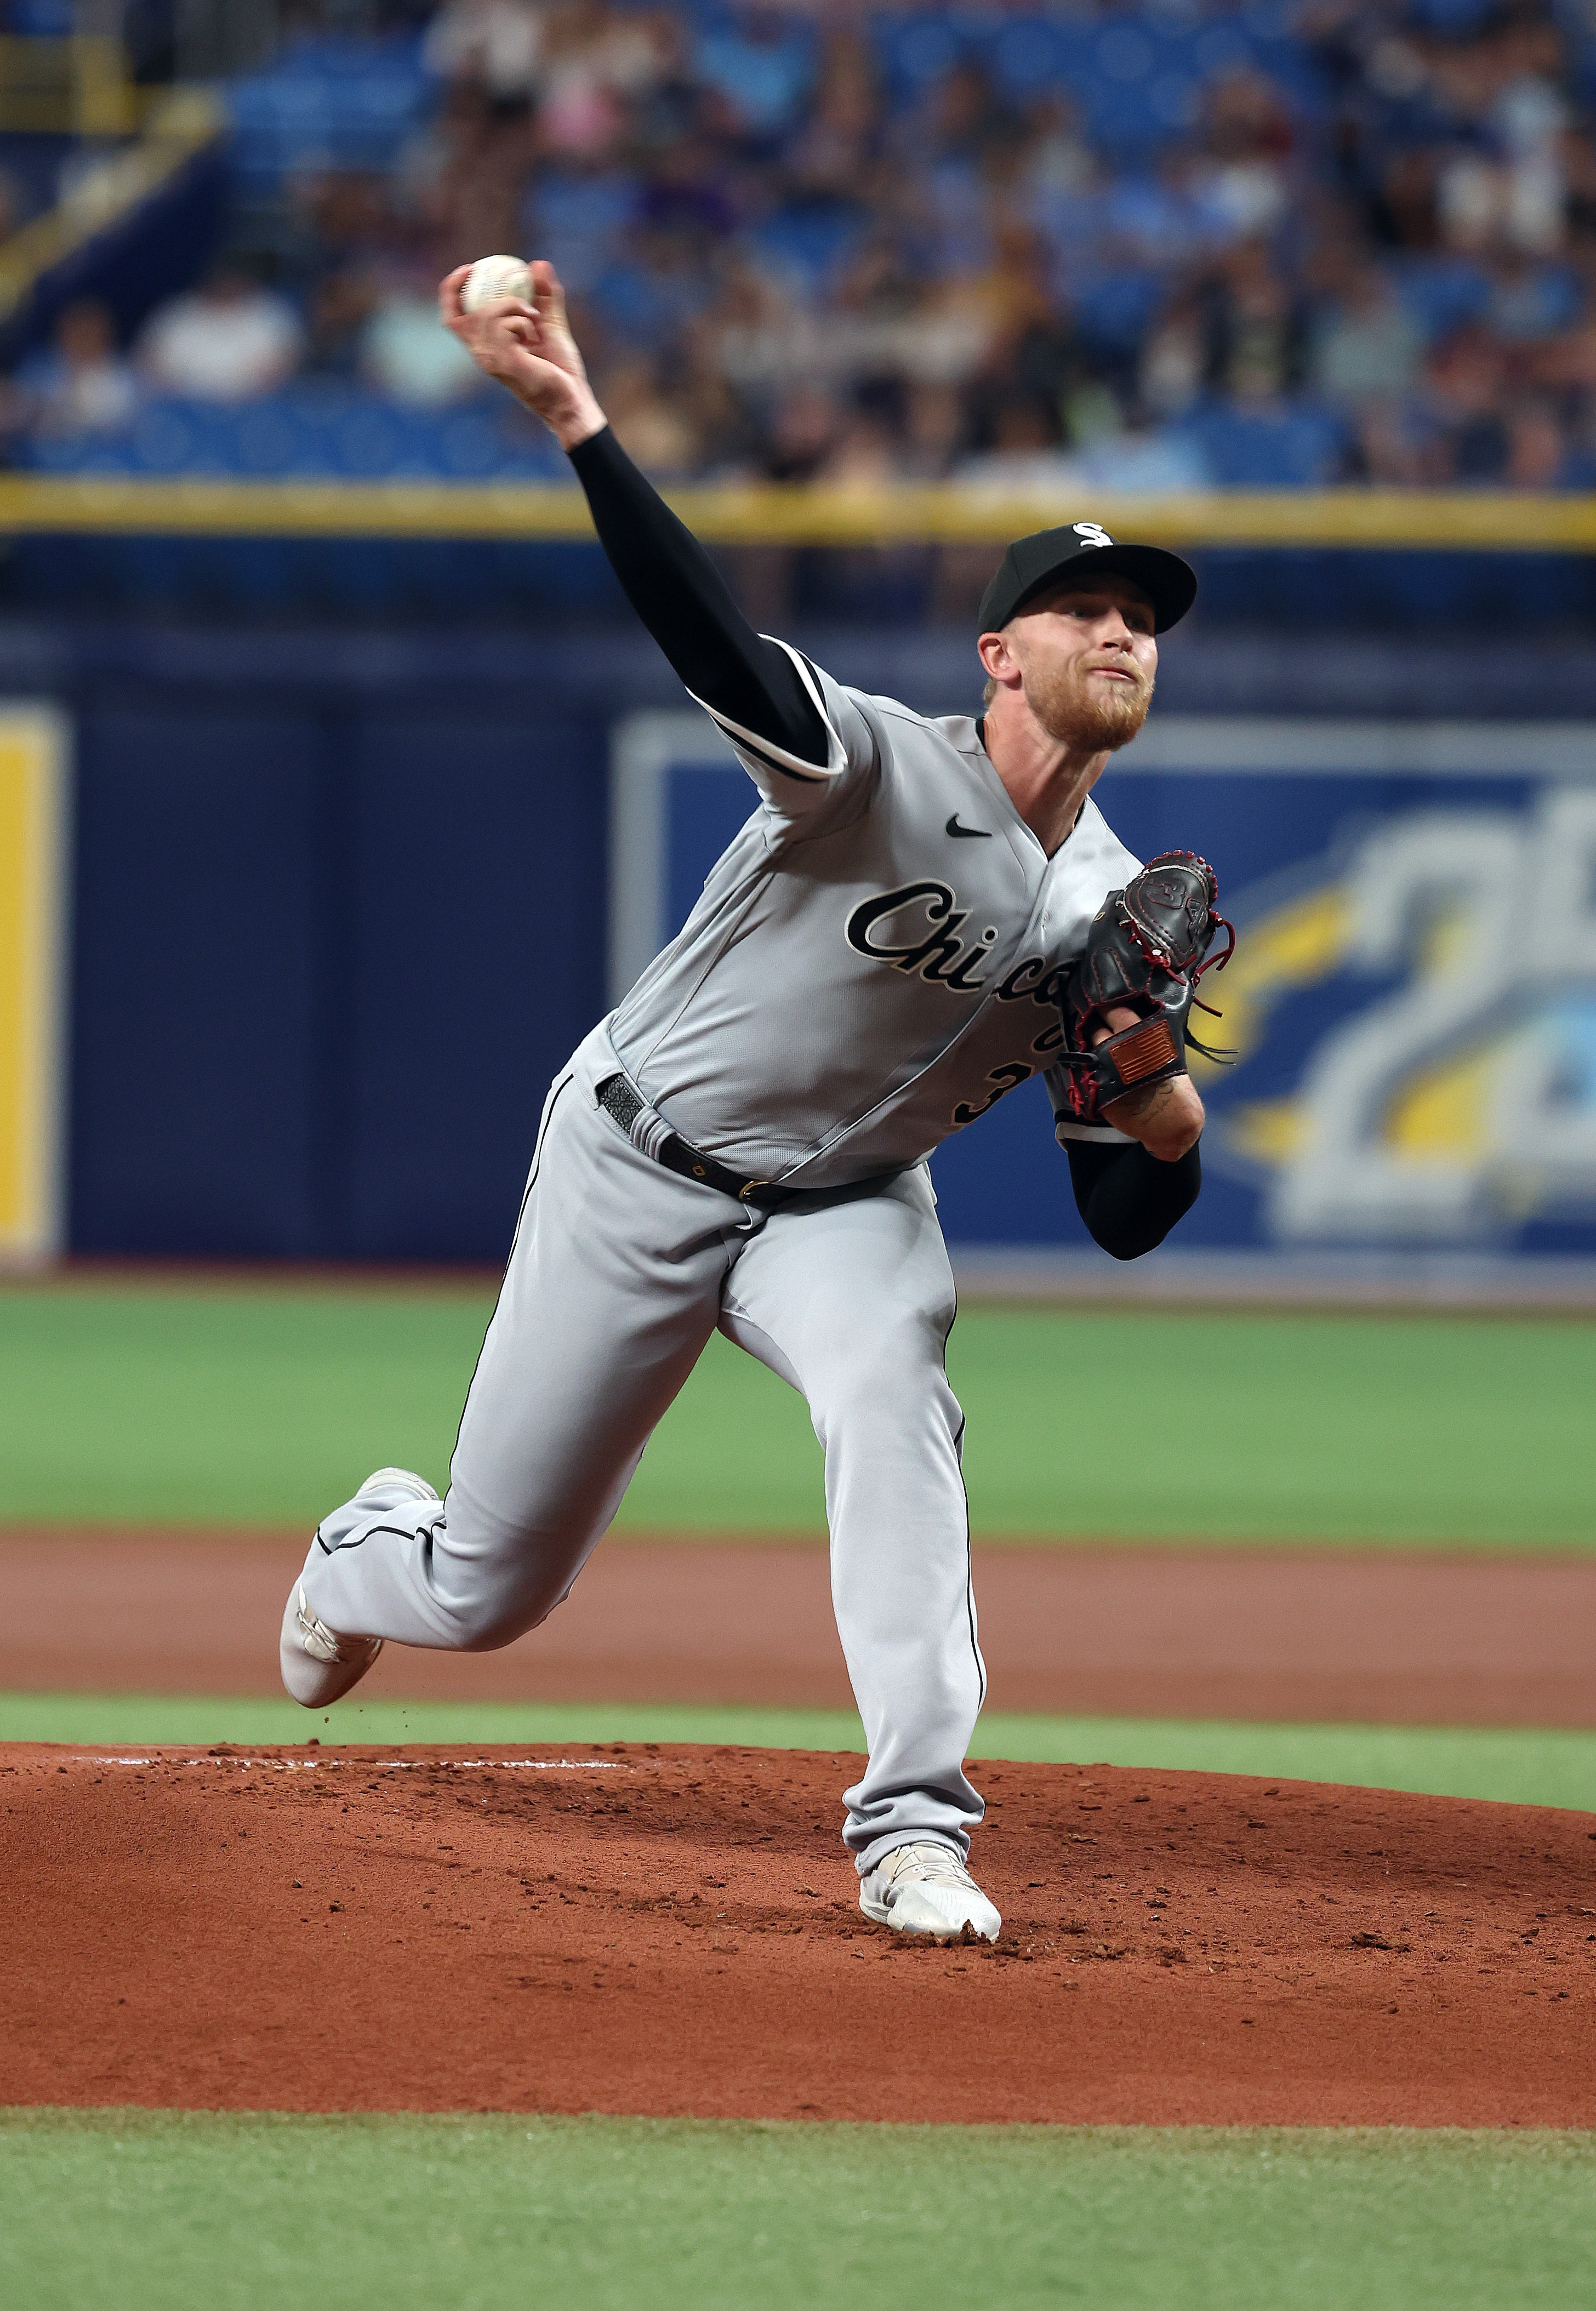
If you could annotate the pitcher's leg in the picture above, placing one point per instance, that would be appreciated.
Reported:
(853, 1303)
(611, 1290)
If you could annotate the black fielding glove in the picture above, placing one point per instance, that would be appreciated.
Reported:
(1145, 951)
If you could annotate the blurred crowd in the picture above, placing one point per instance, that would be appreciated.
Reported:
(1375, 264)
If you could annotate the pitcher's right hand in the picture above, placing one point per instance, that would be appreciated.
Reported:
(530, 350)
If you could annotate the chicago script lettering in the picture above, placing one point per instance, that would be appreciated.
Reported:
(939, 953)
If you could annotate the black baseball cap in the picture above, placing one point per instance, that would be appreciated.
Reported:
(1047, 555)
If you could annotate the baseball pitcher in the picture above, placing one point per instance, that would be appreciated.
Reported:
(918, 915)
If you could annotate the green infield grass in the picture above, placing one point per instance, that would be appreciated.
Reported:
(260, 1404)
(155, 2209)
(1520, 1766)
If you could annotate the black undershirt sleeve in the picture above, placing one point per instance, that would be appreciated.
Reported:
(1129, 1200)
(685, 603)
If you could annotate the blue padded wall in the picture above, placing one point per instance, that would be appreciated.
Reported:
(325, 964)
(195, 1125)
(477, 956)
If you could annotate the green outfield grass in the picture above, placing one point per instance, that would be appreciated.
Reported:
(260, 1404)
(1520, 1766)
(152, 2210)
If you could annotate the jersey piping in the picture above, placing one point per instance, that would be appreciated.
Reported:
(778, 758)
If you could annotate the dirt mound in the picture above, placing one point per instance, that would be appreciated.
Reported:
(675, 1930)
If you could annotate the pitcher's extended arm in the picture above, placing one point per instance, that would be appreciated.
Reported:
(668, 576)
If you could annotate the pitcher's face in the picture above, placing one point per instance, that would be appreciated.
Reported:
(1088, 657)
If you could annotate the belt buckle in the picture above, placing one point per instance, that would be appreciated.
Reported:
(746, 1189)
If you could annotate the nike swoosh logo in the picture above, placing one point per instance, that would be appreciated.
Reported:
(985, 832)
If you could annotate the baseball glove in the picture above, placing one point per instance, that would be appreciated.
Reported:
(1147, 949)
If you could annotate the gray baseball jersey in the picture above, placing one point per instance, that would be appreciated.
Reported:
(875, 960)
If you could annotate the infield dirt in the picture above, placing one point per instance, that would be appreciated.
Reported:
(1321, 1636)
(675, 1930)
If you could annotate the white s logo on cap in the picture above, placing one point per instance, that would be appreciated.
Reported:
(1092, 533)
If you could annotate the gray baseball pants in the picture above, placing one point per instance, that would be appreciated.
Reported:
(619, 1273)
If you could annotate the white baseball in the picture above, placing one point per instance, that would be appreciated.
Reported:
(492, 278)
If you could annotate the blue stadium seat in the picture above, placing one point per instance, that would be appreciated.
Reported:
(580, 222)
(311, 431)
(1296, 447)
(813, 241)
(913, 51)
(329, 103)
(1036, 54)
(1440, 292)
(766, 82)
(1453, 17)
(1112, 312)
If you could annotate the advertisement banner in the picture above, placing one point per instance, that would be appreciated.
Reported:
(34, 757)
(1412, 1003)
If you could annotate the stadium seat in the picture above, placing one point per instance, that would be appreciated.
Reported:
(1296, 448)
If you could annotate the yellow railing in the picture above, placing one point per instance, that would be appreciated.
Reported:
(1497, 521)
(76, 87)
(174, 131)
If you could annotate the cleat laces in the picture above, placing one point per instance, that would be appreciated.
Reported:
(935, 1865)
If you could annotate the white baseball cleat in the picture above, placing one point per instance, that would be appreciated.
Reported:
(926, 1890)
(319, 1664)
(385, 1488)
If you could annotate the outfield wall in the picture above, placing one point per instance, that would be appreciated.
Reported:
(327, 910)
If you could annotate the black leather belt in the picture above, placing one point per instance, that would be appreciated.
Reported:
(616, 1096)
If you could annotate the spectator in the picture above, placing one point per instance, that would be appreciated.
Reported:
(1243, 184)
(595, 63)
(229, 340)
(761, 67)
(1529, 117)
(497, 45)
(1404, 212)
(1024, 453)
(406, 354)
(1366, 348)
(349, 216)
(1536, 449)
(1053, 155)
(863, 458)
(1388, 449)
(82, 385)
(1173, 359)
(686, 193)
(1577, 168)
(1464, 394)
(934, 427)
(752, 333)
(967, 121)
(655, 430)
(1530, 301)
(467, 180)
(1255, 329)
(835, 152)
(802, 427)
(340, 310)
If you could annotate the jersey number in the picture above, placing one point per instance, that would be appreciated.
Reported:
(1004, 1079)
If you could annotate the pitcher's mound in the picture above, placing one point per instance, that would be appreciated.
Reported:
(677, 1930)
